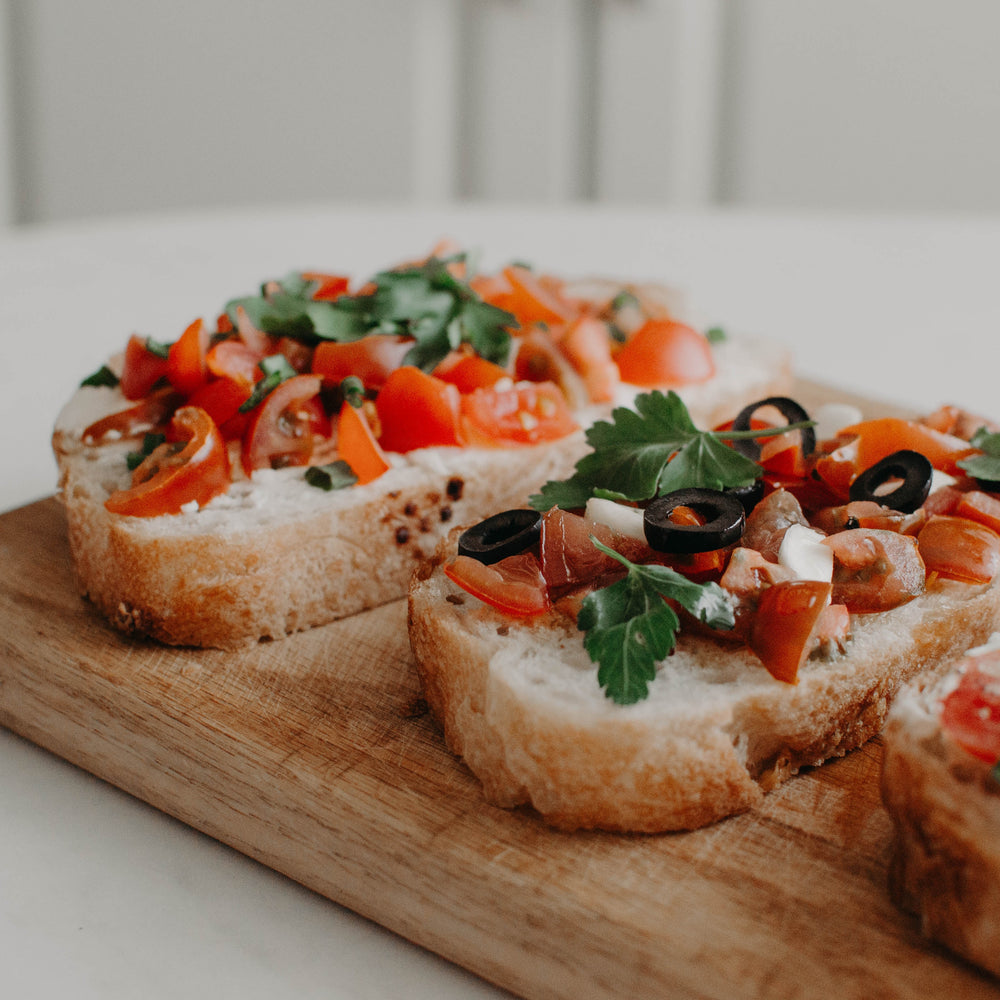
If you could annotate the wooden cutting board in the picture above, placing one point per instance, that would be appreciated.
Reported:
(316, 756)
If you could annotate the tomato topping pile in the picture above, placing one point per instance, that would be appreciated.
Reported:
(441, 358)
(970, 713)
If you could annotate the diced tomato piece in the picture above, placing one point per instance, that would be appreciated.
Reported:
(469, 371)
(782, 631)
(371, 359)
(979, 506)
(186, 366)
(522, 414)
(149, 414)
(536, 299)
(417, 410)
(357, 445)
(513, 585)
(281, 431)
(142, 368)
(328, 286)
(881, 437)
(960, 549)
(970, 713)
(176, 474)
(221, 399)
(256, 339)
(663, 352)
(587, 345)
(232, 359)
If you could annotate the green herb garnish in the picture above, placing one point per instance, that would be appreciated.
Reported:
(157, 347)
(653, 450)
(629, 625)
(104, 376)
(716, 335)
(276, 369)
(987, 465)
(334, 476)
(352, 389)
(423, 301)
(150, 443)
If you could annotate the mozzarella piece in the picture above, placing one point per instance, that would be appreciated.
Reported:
(831, 417)
(625, 520)
(802, 551)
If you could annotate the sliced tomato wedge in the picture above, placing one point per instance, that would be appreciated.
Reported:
(522, 414)
(417, 410)
(149, 414)
(186, 366)
(663, 352)
(587, 345)
(282, 429)
(371, 359)
(513, 585)
(881, 437)
(959, 549)
(328, 286)
(233, 359)
(535, 298)
(469, 371)
(221, 399)
(970, 713)
(357, 445)
(193, 469)
(142, 369)
(782, 630)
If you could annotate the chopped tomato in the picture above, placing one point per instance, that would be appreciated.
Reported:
(371, 359)
(513, 585)
(233, 359)
(149, 414)
(142, 369)
(523, 414)
(881, 437)
(469, 371)
(587, 345)
(874, 569)
(979, 506)
(257, 340)
(221, 399)
(281, 430)
(194, 469)
(328, 286)
(186, 366)
(782, 631)
(357, 445)
(970, 713)
(538, 359)
(297, 354)
(960, 549)
(417, 410)
(535, 299)
(663, 352)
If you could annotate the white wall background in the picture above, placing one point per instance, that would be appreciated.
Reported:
(115, 106)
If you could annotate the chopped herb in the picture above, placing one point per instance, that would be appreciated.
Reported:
(276, 369)
(987, 465)
(150, 443)
(334, 476)
(157, 347)
(716, 335)
(629, 625)
(104, 376)
(624, 300)
(353, 391)
(650, 451)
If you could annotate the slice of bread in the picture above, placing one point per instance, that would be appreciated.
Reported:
(945, 808)
(518, 699)
(274, 555)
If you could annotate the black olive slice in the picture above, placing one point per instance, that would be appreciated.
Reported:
(788, 408)
(504, 534)
(911, 467)
(724, 519)
(748, 496)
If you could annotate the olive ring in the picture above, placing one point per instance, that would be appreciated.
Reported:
(788, 408)
(504, 534)
(915, 471)
(723, 525)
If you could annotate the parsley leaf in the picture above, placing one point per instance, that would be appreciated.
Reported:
(987, 465)
(104, 376)
(648, 452)
(629, 625)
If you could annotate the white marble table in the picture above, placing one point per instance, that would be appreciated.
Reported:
(102, 896)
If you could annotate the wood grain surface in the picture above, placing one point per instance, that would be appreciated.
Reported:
(316, 756)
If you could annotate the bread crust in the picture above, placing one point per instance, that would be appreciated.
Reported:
(945, 809)
(275, 555)
(519, 701)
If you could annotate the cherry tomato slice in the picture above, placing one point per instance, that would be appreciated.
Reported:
(786, 615)
(221, 399)
(663, 352)
(522, 414)
(959, 549)
(357, 445)
(535, 298)
(328, 286)
(417, 410)
(587, 345)
(371, 359)
(881, 437)
(970, 713)
(233, 359)
(193, 469)
(470, 371)
(281, 430)
(150, 414)
(186, 366)
(142, 369)
(513, 585)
